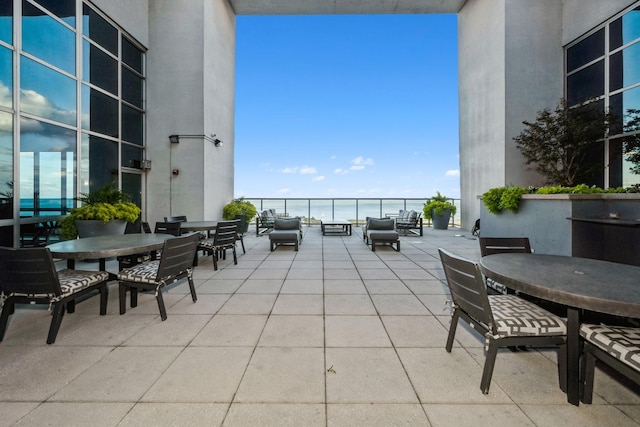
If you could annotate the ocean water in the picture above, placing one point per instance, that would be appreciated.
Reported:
(47, 206)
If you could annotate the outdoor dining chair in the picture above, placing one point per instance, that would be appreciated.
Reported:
(178, 218)
(224, 238)
(29, 276)
(172, 228)
(502, 245)
(504, 320)
(616, 346)
(175, 263)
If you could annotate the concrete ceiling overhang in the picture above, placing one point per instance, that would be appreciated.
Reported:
(344, 7)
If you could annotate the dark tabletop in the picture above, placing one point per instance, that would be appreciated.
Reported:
(107, 246)
(198, 225)
(590, 284)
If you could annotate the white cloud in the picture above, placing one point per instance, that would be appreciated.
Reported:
(289, 170)
(452, 172)
(318, 178)
(356, 167)
(362, 161)
(340, 171)
(284, 191)
(308, 170)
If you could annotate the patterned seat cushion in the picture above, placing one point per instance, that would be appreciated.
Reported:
(621, 342)
(72, 281)
(517, 317)
(142, 273)
(209, 244)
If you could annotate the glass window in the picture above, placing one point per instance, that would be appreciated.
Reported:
(47, 38)
(586, 84)
(131, 55)
(131, 156)
(624, 67)
(47, 165)
(99, 112)
(102, 156)
(620, 165)
(6, 21)
(131, 87)
(47, 93)
(132, 125)
(624, 29)
(63, 9)
(6, 77)
(99, 68)
(619, 106)
(585, 51)
(6, 165)
(99, 30)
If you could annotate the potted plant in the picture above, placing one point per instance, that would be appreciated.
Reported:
(439, 210)
(241, 209)
(104, 211)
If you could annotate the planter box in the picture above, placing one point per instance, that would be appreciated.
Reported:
(597, 226)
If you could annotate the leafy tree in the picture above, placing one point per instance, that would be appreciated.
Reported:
(631, 143)
(558, 144)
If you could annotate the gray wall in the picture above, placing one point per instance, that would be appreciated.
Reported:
(510, 67)
(191, 68)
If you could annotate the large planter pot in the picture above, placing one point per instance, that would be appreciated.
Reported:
(243, 227)
(441, 222)
(93, 228)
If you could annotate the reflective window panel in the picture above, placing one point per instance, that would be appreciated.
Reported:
(624, 67)
(48, 39)
(47, 93)
(47, 165)
(621, 169)
(99, 112)
(131, 87)
(6, 165)
(6, 77)
(6, 21)
(586, 84)
(102, 155)
(585, 51)
(131, 156)
(99, 30)
(63, 9)
(132, 125)
(99, 68)
(624, 29)
(131, 55)
(619, 106)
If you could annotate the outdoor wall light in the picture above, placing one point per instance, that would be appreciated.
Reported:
(174, 139)
(217, 142)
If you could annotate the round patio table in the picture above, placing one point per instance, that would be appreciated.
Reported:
(577, 283)
(103, 247)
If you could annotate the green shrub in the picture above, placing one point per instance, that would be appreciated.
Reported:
(438, 204)
(239, 206)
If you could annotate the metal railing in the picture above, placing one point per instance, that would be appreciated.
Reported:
(355, 210)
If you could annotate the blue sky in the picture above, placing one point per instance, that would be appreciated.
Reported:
(346, 106)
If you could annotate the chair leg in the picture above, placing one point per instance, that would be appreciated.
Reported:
(562, 367)
(489, 362)
(235, 255)
(122, 294)
(192, 288)
(104, 297)
(71, 306)
(588, 372)
(214, 255)
(452, 330)
(373, 246)
(58, 313)
(163, 311)
(4, 316)
(134, 296)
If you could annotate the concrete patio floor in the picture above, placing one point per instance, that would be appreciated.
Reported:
(332, 335)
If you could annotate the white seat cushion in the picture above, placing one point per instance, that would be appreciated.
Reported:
(146, 272)
(515, 316)
(621, 342)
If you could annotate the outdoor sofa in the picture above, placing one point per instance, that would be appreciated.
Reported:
(409, 222)
(285, 231)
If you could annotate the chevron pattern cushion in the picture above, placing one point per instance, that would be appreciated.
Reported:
(621, 342)
(142, 273)
(517, 317)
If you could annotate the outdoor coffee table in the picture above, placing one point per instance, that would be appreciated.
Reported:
(335, 226)
(577, 283)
